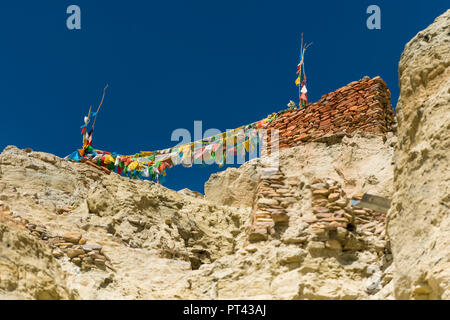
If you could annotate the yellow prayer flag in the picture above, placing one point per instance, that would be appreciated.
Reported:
(109, 159)
(146, 153)
(132, 165)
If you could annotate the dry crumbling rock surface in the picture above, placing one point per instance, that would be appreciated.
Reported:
(419, 221)
(359, 163)
(305, 240)
(27, 268)
(118, 238)
(280, 227)
(233, 187)
(114, 237)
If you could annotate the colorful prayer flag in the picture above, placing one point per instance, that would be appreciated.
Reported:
(299, 67)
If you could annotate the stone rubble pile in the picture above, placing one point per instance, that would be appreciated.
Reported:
(369, 222)
(362, 106)
(275, 197)
(330, 207)
(339, 224)
(336, 224)
(72, 245)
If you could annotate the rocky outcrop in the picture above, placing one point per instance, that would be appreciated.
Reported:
(234, 186)
(419, 220)
(280, 227)
(117, 238)
(359, 163)
(342, 133)
(28, 269)
(113, 237)
(190, 193)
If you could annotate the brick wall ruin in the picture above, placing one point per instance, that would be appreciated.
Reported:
(275, 197)
(335, 224)
(361, 106)
(338, 223)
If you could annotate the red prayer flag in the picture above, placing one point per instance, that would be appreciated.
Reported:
(299, 67)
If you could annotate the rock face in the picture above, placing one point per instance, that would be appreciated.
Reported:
(27, 267)
(419, 220)
(279, 227)
(233, 187)
(359, 163)
(190, 193)
(113, 237)
(117, 238)
(360, 107)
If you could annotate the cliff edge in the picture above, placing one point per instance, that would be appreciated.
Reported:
(419, 220)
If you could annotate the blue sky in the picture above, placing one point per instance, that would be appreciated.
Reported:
(168, 63)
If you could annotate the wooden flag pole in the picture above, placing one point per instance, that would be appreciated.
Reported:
(300, 73)
(303, 66)
(304, 51)
(98, 109)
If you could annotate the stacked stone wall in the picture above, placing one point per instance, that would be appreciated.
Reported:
(362, 106)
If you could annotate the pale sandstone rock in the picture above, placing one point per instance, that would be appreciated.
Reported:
(191, 193)
(333, 197)
(233, 187)
(160, 244)
(333, 244)
(350, 163)
(28, 269)
(290, 255)
(164, 244)
(73, 237)
(287, 286)
(101, 205)
(418, 222)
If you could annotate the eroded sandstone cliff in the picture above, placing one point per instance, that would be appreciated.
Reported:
(280, 227)
(28, 269)
(419, 221)
(120, 238)
(149, 236)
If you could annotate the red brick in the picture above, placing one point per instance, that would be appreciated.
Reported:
(303, 137)
(360, 106)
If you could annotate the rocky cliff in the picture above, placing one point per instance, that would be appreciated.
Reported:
(320, 132)
(28, 269)
(113, 237)
(110, 237)
(419, 222)
(360, 163)
(284, 226)
(308, 241)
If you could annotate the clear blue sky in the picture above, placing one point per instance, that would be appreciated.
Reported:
(168, 63)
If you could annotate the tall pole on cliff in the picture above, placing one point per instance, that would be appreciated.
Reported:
(300, 72)
(98, 109)
(303, 99)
